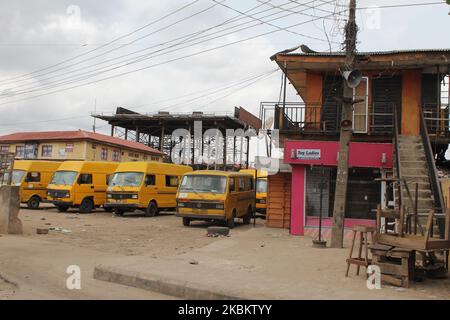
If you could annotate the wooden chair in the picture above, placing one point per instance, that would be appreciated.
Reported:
(402, 239)
(363, 242)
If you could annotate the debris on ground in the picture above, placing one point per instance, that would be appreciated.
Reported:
(193, 262)
(215, 231)
(41, 230)
(59, 229)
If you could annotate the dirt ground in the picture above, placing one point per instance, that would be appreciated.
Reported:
(133, 234)
(34, 266)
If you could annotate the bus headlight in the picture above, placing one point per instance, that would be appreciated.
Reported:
(134, 196)
(109, 195)
(219, 206)
(181, 204)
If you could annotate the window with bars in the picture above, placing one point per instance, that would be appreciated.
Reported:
(20, 151)
(47, 150)
(104, 154)
(116, 155)
(69, 147)
(4, 149)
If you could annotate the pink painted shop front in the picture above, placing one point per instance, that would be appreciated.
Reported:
(304, 154)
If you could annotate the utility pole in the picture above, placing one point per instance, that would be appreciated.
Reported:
(95, 112)
(351, 30)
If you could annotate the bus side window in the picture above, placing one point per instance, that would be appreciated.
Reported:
(33, 177)
(231, 185)
(85, 179)
(171, 181)
(241, 184)
(249, 184)
(150, 180)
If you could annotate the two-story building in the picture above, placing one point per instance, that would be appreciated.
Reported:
(76, 145)
(400, 125)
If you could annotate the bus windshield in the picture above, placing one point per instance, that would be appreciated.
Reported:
(17, 177)
(126, 179)
(64, 178)
(261, 186)
(204, 184)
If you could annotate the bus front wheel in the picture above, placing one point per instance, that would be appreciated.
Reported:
(33, 203)
(86, 206)
(152, 210)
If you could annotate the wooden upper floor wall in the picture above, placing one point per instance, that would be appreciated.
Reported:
(409, 76)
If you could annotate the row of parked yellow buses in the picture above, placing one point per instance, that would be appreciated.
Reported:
(148, 186)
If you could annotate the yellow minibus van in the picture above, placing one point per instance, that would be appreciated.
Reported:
(216, 196)
(261, 189)
(80, 184)
(149, 186)
(32, 177)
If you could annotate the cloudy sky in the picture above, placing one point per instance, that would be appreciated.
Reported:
(58, 59)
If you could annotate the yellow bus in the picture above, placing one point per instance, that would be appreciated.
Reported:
(261, 189)
(216, 196)
(33, 177)
(80, 184)
(148, 186)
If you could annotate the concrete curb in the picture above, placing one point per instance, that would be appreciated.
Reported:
(171, 287)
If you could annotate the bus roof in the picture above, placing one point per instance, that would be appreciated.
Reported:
(153, 167)
(219, 173)
(261, 173)
(36, 165)
(90, 166)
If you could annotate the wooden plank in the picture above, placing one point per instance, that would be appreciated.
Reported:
(393, 269)
(391, 280)
(409, 242)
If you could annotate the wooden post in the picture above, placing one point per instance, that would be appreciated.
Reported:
(429, 227)
(447, 224)
(416, 210)
(340, 201)
(378, 226)
(401, 222)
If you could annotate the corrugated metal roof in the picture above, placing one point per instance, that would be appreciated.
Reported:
(296, 52)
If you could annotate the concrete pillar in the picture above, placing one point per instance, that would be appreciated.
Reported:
(9, 210)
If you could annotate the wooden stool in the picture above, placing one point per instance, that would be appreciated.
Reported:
(363, 241)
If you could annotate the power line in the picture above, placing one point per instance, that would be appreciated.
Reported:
(268, 23)
(161, 63)
(138, 59)
(190, 36)
(214, 90)
(110, 42)
(398, 5)
(124, 45)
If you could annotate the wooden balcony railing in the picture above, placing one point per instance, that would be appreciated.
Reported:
(309, 118)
